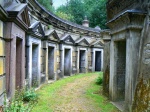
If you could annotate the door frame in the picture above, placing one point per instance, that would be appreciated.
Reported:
(93, 58)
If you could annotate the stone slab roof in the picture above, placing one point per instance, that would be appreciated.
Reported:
(16, 7)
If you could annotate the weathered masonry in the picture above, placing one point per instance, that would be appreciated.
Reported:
(37, 47)
(126, 55)
(2, 63)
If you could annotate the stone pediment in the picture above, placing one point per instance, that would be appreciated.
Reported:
(67, 39)
(37, 29)
(82, 41)
(19, 11)
(52, 35)
(24, 16)
(97, 43)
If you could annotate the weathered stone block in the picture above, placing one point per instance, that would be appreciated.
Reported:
(58, 53)
(1, 100)
(1, 29)
(2, 84)
(2, 66)
(1, 47)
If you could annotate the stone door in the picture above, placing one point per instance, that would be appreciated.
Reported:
(120, 69)
(82, 61)
(67, 62)
(98, 61)
(35, 56)
(51, 63)
(18, 63)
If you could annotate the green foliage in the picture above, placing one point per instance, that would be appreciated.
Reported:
(99, 80)
(64, 16)
(75, 8)
(17, 104)
(95, 92)
(95, 10)
(30, 95)
(47, 4)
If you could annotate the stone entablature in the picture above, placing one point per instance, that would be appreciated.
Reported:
(115, 7)
(128, 20)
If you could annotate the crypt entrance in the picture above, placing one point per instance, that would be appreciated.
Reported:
(120, 64)
(98, 61)
(82, 61)
(35, 58)
(51, 75)
(117, 85)
(19, 64)
(67, 62)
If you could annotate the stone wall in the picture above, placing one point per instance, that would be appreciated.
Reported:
(129, 65)
(2, 63)
(141, 101)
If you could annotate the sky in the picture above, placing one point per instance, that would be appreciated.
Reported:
(57, 3)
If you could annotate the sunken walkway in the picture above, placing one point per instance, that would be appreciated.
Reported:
(77, 93)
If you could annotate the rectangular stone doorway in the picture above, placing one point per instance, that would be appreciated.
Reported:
(98, 61)
(67, 62)
(35, 56)
(51, 75)
(120, 70)
(18, 63)
(119, 74)
(82, 57)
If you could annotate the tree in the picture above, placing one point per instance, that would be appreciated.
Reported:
(65, 16)
(76, 10)
(96, 12)
(47, 4)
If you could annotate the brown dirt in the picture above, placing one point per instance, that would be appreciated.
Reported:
(72, 99)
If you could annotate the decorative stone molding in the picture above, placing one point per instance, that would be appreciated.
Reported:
(128, 20)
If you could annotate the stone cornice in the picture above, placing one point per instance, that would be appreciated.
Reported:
(116, 7)
(127, 20)
(3, 14)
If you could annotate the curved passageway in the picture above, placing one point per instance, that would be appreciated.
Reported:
(73, 94)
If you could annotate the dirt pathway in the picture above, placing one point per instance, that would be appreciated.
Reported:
(72, 97)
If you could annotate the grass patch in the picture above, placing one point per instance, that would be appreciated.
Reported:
(94, 92)
(99, 80)
(48, 95)
(47, 92)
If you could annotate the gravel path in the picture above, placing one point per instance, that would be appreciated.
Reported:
(72, 99)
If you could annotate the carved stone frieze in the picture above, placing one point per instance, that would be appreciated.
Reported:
(115, 7)
(126, 21)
